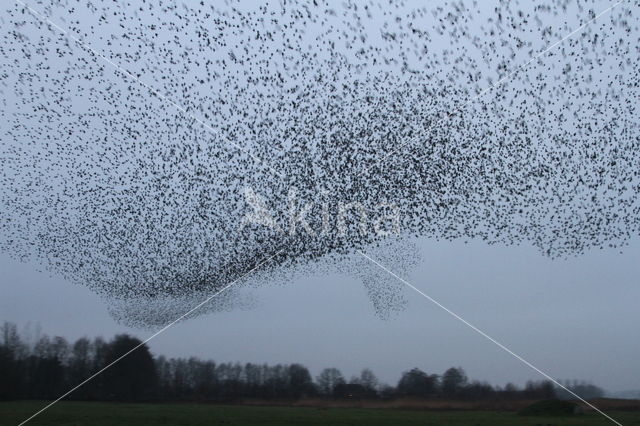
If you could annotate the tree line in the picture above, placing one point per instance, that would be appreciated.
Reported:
(51, 366)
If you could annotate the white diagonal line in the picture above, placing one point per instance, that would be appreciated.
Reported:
(96, 53)
(482, 333)
(198, 306)
(502, 80)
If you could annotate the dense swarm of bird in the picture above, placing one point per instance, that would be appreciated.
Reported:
(132, 133)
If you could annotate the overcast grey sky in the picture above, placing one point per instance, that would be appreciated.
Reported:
(574, 318)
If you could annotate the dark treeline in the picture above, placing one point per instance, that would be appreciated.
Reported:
(49, 367)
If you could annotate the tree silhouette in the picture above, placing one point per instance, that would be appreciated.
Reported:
(300, 382)
(51, 366)
(417, 383)
(132, 378)
(453, 380)
(328, 379)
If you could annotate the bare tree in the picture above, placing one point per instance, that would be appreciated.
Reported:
(328, 379)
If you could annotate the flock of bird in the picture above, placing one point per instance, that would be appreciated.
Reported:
(139, 139)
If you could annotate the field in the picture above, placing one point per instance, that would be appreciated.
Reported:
(112, 414)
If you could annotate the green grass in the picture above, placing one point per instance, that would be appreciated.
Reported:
(108, 414)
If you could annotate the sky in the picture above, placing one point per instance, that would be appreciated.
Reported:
(574, 318)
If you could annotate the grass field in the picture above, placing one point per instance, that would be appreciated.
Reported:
(108, 414)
